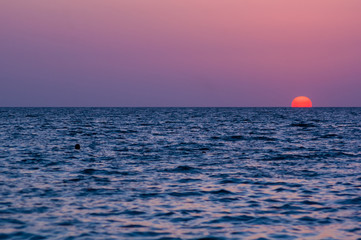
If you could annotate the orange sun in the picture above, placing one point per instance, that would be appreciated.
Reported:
(302, 102)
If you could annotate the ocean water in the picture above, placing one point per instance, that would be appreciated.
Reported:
(180, 173)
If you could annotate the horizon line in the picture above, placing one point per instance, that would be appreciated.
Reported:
(175, 107)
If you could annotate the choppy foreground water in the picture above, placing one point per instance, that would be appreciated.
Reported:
(180, 173)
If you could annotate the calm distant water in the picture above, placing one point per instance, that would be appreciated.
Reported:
(180, 173)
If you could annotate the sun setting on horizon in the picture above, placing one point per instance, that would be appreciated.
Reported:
(187, 53)
(301, 102)
(188, 119)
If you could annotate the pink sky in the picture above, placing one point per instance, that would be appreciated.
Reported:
(179, 52)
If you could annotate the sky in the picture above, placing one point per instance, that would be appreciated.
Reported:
(202, 53)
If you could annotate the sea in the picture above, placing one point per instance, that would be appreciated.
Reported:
(180, 173)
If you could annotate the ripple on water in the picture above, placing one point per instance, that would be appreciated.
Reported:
(180, 173)
(183, 169)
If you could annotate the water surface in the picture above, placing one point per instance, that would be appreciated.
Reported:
(180, 173)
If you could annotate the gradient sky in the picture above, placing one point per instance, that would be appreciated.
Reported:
(179, 52)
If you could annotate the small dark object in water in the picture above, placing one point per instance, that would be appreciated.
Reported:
(77, 146)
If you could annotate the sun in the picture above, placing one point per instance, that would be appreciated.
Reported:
(302, 101)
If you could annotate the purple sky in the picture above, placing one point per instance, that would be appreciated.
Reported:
(179, 53)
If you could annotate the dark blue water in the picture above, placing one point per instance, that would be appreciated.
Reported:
(180, 173)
